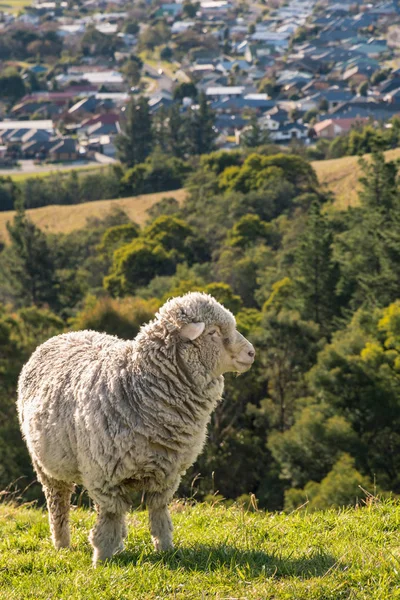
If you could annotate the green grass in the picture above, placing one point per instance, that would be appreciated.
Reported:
(220, 553)
(153, 60)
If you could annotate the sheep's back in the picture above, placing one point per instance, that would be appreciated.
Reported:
(53, 393)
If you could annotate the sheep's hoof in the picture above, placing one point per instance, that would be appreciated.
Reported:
(101, 557)
(162, 545)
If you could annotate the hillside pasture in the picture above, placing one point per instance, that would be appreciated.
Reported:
(340, 176)
(14, 6)
(66, 218)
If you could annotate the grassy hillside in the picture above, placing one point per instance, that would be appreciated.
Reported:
(220, 553)
(340, 176)
(63, 219)
(46, 171)
(14, 5)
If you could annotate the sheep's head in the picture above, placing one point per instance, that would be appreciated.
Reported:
(206, 337)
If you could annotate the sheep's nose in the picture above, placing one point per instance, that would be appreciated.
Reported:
(251, 353)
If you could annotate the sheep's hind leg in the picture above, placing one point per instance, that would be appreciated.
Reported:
(107, 535)
(159, 520)
(58, 498)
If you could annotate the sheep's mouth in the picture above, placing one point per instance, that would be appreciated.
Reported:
(243, 366)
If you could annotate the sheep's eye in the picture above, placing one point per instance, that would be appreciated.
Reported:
(212, 332)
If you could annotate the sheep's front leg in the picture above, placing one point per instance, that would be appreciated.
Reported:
(159, 519)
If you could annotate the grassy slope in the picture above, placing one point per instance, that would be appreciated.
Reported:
(63, 219)
(220, 553)
(14, 5)
(340, 175)
(64, 169)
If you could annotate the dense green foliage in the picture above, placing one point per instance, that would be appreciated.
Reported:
(220, 553)
(317, 291)
(157, 174)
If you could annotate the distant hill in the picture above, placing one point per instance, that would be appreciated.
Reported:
(340, 175)
(220, 553)
(63, 219)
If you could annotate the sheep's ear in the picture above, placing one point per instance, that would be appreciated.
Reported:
(191, 331)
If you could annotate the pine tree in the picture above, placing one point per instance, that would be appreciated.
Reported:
(369, 251)
(317, 273)
(161, 130)
(135, 142)
(176, 132)
(27, 267)
(200, 128)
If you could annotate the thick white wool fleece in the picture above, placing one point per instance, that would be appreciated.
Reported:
(119, 415)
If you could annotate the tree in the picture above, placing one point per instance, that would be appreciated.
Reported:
(131, 26)
(249, 230)
(200, 128)
(288, 347)
(368, 252)
(117, 236)
(308, 450)
(11, 86)
(135, 142)
(166, 53)
(323, 105)
(95, 43)
(178, 239)
(190, 9)
(135, 265)
(343, 486)
(8, 193)
(132, 71)
(185, 90)
(362, 89)
(317, 272)
(121, 317)
(176, 132)
(253, 135)
(154, 36)
(27, 266)
(20, 333)
(357, 376)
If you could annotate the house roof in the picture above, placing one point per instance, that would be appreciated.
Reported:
(36, 146)
(344, 124)
(105, 119)
(66, 145)
(228, 90)
(10, 125)
(87, 104)
(36, 135)
(278, 114)
(290, 126)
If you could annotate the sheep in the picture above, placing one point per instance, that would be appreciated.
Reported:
(120, 416)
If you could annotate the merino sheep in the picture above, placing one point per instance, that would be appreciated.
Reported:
(118, 416)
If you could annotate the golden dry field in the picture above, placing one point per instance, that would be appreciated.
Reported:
(14, 6)
(340, 176)
(63, 219)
